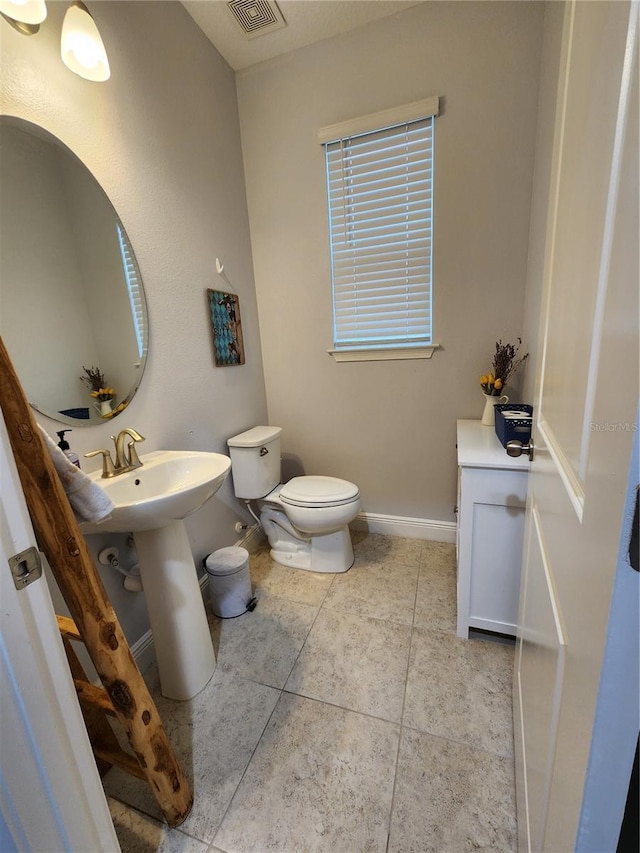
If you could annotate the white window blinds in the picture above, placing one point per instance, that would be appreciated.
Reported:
(380, 190)
(136, 297)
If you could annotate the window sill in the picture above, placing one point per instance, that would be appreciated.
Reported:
(400, 353)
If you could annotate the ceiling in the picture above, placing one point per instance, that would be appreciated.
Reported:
(307, 21)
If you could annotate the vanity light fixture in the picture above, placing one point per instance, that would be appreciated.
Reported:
(81, 47)
(24, 15)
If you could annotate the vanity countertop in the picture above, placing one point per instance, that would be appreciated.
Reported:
(479, 447)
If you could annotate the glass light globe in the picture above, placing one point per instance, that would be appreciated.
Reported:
(25, 11)
(81, 47)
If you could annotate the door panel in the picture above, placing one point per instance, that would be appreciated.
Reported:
(588, 127)
(540, 674)
(587, 381)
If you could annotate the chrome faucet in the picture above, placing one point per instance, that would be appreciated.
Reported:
(124, 461)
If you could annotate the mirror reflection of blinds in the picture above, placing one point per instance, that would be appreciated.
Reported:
(133, 287)
(380, 188)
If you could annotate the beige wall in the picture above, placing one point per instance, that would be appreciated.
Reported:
(390, 426)
(162, 138)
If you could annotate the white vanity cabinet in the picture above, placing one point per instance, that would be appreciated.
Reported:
(492, 494)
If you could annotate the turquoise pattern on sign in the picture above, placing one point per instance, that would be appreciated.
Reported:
(225, 318)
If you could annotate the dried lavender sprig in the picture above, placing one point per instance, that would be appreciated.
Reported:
(94, 378)
(505, 362)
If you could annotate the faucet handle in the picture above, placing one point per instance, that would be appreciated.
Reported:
(107, 462)
(134, 459)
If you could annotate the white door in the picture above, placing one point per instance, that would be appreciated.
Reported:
(586, 399)
(51, 797)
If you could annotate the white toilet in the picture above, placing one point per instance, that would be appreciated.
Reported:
(306, 519)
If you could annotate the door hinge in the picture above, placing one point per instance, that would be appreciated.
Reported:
(26, 567)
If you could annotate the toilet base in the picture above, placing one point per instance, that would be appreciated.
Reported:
(332, 552)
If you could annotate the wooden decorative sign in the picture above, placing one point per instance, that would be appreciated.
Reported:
(228, 346)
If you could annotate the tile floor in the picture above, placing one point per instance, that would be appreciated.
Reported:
(344, 716)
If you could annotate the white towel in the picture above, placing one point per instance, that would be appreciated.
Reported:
(88, 499)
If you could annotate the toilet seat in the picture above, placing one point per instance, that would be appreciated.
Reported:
(318, 491)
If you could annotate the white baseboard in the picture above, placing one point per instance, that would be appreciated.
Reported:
(252, 539)
(409, 528)
(142, 651)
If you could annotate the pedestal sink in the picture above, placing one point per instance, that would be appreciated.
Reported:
(151, 502)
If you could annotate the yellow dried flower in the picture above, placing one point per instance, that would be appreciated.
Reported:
(105, 393)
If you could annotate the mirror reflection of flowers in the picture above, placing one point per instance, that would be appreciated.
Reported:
(505, 363)
(94, 380)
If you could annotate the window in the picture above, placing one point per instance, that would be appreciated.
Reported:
(380, 196)
(136, 297)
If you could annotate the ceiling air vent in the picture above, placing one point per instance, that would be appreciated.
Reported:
(257, 17)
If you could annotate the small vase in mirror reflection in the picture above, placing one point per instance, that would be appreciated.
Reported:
(103, 408)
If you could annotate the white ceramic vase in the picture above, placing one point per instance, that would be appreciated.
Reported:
(103, 407)
(489, 414)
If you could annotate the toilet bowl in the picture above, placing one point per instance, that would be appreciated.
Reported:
(305, 520)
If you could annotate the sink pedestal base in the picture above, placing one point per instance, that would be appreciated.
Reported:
(181, 636)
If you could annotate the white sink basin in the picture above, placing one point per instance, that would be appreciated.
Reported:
(170, 485)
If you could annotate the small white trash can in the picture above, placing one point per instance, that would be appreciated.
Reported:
(229, 581)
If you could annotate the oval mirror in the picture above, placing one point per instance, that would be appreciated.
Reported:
(73, 312)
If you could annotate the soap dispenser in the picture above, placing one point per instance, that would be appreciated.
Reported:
(64, 447)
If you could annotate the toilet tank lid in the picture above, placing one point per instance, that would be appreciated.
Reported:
(255, 437)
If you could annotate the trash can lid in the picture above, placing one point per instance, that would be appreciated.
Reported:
(226, 561)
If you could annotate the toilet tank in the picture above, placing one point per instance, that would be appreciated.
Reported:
(255, 461)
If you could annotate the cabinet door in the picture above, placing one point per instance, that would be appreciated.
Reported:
(499, 499)
(490, 535)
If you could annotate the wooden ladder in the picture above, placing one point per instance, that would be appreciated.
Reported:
(96, 706)
(125, 695)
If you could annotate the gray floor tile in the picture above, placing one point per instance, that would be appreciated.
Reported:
(320, 780)
(270, 578)
(263, 645)
(436, 603)
(438, 557)
(376, 548)
(214, 736)
(355, 662)
(451, 798)
(227, 721)
(460, 689)
(320, 776)
(381, 590)
(138, 833)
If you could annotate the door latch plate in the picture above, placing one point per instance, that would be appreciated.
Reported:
(26, 567)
